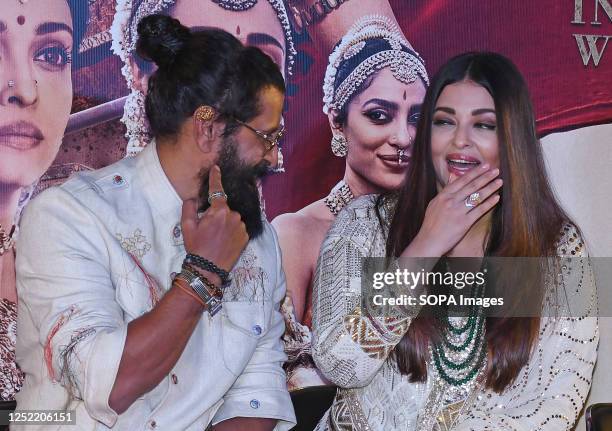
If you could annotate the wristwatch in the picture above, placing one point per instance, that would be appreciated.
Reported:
(207, 291)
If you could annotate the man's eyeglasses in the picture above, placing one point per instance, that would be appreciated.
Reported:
(271, 140)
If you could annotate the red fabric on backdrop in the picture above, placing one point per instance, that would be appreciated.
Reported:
(536, 35)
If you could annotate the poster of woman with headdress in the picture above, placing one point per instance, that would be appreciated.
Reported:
(37, 49)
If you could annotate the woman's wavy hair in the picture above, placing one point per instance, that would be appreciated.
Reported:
(526, 223)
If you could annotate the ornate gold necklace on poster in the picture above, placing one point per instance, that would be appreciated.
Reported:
(7, 241)
(339, 197)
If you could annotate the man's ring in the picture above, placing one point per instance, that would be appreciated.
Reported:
(472, 200)
(216, 195)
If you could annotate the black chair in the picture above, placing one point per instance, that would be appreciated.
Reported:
(598, 417)
(310, 405)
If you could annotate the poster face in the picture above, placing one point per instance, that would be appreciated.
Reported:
(36, 93)
(73, 87)
(562, 54)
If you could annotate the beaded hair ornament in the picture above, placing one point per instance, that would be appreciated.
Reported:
(372, 44)
(128, 14)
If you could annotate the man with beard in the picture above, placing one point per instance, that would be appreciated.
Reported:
(127, 313)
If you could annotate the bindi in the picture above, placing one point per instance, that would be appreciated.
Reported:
(404, 94)
(238, 30)
(21, 20)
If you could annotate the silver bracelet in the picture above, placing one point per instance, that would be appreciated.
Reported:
(203, 288)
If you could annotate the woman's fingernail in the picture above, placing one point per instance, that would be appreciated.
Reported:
(485, 166)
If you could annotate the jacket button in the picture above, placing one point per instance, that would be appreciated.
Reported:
(174, 379)
(254, 404)
(152, 424)
(257, 330)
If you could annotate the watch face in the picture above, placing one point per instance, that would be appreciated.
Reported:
(213, 303)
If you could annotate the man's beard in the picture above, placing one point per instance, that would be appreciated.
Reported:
(240, 184)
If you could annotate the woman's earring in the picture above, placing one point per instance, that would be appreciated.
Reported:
(338, 145)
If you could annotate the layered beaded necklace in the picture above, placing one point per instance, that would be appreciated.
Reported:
(460, 355)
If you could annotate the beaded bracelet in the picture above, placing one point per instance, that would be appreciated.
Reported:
(213, 290)
(207, 265)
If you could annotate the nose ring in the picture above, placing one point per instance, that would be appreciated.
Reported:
(400, 155)
(394, 139)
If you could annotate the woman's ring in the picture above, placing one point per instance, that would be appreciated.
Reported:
(473, 200)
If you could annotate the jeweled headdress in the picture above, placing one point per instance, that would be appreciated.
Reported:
(128, 14)
(370, 45)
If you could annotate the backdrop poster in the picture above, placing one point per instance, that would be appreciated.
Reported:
(89, 99)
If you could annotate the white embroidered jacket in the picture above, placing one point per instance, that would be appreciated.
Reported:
(100, 251)
(352, 350)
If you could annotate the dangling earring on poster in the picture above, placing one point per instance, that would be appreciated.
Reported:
(339, 145)
(279, 168)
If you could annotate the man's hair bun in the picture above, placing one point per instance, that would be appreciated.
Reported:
(161, 38)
